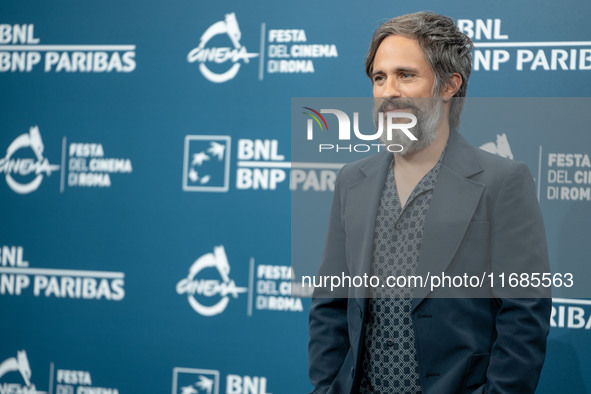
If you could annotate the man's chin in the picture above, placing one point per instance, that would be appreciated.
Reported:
(408, 150)
(394, 147)
(409, 147)
(399, 120)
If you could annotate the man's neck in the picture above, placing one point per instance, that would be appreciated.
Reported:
(426, 158)
(411, 168)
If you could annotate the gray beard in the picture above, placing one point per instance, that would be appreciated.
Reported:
(428, 117)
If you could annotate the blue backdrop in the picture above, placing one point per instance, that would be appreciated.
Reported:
(145, 189)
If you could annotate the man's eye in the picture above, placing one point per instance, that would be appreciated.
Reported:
(406, 75)
(378, 78)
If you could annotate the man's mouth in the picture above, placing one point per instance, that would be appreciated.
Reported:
(396, 107)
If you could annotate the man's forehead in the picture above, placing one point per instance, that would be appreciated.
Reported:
(399, 48)
(400, 40)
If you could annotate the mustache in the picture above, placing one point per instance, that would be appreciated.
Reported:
(395, 104)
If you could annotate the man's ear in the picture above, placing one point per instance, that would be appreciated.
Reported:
(453, 85)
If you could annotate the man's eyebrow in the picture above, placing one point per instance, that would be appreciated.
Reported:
(407, 69)
(397, 70)
(376, 72)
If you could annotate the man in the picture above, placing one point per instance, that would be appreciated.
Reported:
(440, 205)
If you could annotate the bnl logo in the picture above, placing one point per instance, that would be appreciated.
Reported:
(206, 165)
(195, 381)
(207, 381)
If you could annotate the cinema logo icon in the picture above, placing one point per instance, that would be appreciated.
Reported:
(235, 54)
(19, 364)
(198, 288)
(24, 174)
(206, 164)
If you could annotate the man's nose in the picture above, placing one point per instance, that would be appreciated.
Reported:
(392, 88)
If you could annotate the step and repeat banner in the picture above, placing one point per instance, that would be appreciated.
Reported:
(146, 182)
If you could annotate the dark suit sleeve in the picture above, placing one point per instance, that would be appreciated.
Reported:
(518, 245)
(329, 340)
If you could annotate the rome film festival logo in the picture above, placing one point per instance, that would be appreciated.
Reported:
(203, 55)
(194, 286)
(206, 164)
(22, 168)
(19, 364)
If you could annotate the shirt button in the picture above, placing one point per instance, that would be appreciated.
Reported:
(398, 226)
(390, 342)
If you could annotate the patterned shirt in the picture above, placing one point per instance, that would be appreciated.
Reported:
(390, 358)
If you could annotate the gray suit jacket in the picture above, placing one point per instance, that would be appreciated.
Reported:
(484, 215)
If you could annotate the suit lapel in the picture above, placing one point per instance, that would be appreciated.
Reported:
(363, 198)
(452, 207)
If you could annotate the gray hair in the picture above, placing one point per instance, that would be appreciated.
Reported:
(446, 49)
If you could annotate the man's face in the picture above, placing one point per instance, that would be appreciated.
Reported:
(403, 81)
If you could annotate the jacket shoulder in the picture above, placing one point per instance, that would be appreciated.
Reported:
(500, 166)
